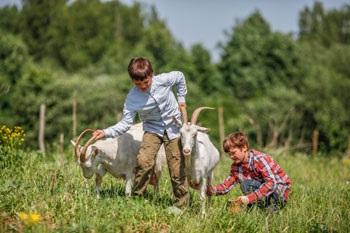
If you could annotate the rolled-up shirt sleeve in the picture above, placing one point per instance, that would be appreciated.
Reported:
(227, 185)
(180, 82)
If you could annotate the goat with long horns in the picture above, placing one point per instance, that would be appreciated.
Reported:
(201, 154)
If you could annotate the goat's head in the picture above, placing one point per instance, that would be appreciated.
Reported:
(85, 154)
(189, 130)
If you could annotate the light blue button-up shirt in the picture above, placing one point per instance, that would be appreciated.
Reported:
(155, 107)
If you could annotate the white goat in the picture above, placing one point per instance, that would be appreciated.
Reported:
(116, 156)
(201, 155)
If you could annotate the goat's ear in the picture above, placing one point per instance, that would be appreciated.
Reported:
(177, 122)
(202, 129)
(96, 150)
(73, 143)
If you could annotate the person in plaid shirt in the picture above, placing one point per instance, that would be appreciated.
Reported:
(261, 179)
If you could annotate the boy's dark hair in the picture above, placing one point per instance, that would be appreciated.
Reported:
(236, 140)
(140, 68)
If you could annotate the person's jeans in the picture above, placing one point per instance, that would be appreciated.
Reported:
(273, 200)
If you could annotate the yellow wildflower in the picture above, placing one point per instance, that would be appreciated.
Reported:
(29, 219)
(23, 216)
(34, 217)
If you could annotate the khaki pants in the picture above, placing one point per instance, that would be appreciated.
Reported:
(176, 164)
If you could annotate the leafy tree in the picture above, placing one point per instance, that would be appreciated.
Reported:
(37, 17)
(256, 59)
(326, 28)
(159, 41)
(265, 72)
(241, 64)
(205, 74)
(9, 19)
(25, 99)
(14, 59)
(14, 56)
(326, 102)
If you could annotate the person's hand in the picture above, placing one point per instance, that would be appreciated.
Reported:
(211, 189)
(182, 105)
(242, 199)
(98, 134)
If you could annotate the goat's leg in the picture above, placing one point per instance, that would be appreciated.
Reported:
(98, 184)
(203, 195)
(99, 175)
(128, 184)
(210, 180)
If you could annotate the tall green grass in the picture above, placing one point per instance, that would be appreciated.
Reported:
(67, 202)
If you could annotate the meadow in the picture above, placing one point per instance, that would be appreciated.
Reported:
(47, 193)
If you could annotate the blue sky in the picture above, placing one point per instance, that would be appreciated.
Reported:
(205, 21)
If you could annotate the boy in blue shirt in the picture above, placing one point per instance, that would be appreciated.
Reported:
(154, 101)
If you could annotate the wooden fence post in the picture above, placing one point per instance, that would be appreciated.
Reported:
(221, 128)
(315, 142)
(61, 148)
(74, 118)
(42, 128)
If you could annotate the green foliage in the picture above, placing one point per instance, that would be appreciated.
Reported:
(330, 109)
(274, 117)
(71, 204)
(205, 73)
(36, 19)
(326, 28)
(277, 89)
(9, 19)
(11, 140)
(14, 56)
(257, 60)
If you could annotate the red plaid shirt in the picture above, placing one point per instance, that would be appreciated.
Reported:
(262, 168)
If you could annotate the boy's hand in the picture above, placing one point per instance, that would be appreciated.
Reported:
(211, 189)
(242, 199)
(98, 134)
(182, 105)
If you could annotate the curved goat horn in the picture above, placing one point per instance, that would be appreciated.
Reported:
(184, 115)
(83, 151)
(76, 147)
(196, 113)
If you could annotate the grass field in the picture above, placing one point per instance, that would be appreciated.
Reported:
(43, 194)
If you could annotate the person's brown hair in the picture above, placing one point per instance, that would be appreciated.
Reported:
(140, 68)
(235, 140)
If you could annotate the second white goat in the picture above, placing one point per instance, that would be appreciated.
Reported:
(201, 154)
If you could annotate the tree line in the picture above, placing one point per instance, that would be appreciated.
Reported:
(281, 89)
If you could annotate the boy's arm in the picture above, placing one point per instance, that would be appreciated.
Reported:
(223, 188)
(124, 124)
(266, 169)
(181, 88)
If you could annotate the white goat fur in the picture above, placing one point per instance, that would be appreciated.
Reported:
(201, 156)
(118, 157)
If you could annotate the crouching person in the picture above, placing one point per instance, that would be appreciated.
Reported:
(262, 180)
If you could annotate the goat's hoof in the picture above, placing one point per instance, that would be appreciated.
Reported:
(174, 210)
